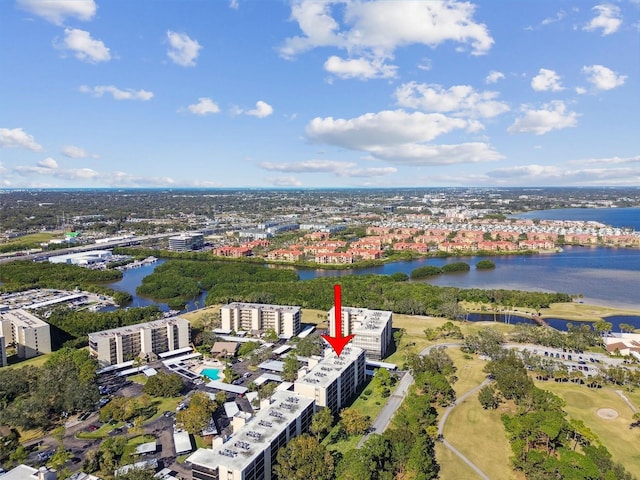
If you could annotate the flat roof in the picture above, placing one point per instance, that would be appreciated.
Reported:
(149, 447)
(305, 333)
(150, 372)
(182, 358)
(331, 366)
(231, 408)
(173, 353)
(366, 322)
(282, 349)
(21, 472)
(146, 464)
(141, 326)
(227, 387)
(182, 441)
(263, 306)
(265, 377)
(22, 319)
(283, 387)
(113, 368)
(256, 435)
(273, 365)
(375, 363)
(53, 301)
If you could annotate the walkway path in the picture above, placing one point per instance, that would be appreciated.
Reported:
(443, 420)
(624, 397)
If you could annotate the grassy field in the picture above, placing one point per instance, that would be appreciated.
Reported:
(451, 467)
(479, 435)
(33, 240)
(15, 362)
(583, 403)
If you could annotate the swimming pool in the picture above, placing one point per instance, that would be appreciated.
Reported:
(212, 373)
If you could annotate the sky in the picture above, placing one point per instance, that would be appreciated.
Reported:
(319, 93)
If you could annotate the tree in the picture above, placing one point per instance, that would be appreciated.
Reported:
(304, 458)
(137, 474)
(164, 385)
(625, 327)
(198, 414)
(247, 347)
(602, 326)
(290, 368)
(488, 398)
(354, 422)
(321, 423)
(270, 335)
(267, 390)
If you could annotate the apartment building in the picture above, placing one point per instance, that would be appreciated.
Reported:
(122, 344)
(251, 451)
(372, 329)
(334, 380)
(186, 241)
(26, 332)
(255, 317)
(3, 353)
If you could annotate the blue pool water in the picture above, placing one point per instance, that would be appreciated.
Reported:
(212, 373)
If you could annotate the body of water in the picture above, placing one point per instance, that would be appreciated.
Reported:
(557, 323)
(616, 217)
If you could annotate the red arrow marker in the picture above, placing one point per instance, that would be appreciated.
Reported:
(338, 342)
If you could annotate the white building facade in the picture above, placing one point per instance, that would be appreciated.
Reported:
(122, 344)
(26, 332)
(254, 317)
(373, 329)
(250, 453)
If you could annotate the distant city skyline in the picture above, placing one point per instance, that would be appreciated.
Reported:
(319, 93)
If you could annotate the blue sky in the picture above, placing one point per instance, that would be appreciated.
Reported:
(311, 93)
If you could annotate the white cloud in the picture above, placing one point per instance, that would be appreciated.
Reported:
(49, 163)
(494, 76)
(558, 16)
(382, 128)
(72, 151)
(534, 174)
(463, 100)
(552, 116)
(116, 93)
(546, 80)
(425, 64)
(309, 166)
(205, 106)
(360, 68)
(608, 19)
(55, 11)
(17, 137)
(581, 90)
(234, 4)
(84, 47)
(606, 161)
(262, 110)
(428, 154)
(182, 50)
(603, 78)
(377, 28)
(284, 182)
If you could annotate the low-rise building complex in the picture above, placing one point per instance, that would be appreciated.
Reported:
(256, 317)
(122, 344)
(372, 329)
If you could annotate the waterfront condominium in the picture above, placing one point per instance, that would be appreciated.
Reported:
(372, 329)
(26, 332)
(122, 344)
(250, 452)
(256, 317)
(333, 380)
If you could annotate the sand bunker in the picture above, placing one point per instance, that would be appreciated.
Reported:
(607, 413)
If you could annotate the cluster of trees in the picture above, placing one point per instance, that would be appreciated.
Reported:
(447, 330)
(53, 275)
(77, 324)
(485, 265)
(198, 414)
(38, 397)
(578, 336)
(431, 270)
(545, 443)
(164, 385)
(129, 409)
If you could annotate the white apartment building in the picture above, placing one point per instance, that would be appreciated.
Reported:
(333, 380)
(251, 451)
(186, 241)
(26, 332)
(254, 317)
(372, 329)
(122, 344)
(3, 353)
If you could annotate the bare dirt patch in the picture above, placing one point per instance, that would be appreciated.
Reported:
(607, 413)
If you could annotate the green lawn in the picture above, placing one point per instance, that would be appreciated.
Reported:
(15, 362)
(583, 403)
(33, 240)
(470, 370)
(451, 467)
(479, 435)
